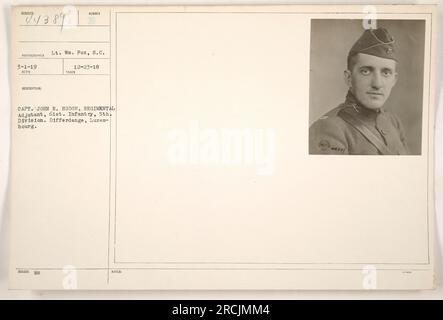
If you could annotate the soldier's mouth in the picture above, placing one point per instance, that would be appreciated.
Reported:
(375, 93)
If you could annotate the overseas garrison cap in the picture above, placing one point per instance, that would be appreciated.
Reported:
(375, 42)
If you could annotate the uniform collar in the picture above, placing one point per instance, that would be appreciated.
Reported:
(355, 108)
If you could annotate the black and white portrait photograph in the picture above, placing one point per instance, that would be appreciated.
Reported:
(366, 87)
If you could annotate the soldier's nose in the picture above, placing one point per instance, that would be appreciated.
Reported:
(376, 82)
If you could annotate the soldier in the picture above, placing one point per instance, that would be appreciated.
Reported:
(360, 125)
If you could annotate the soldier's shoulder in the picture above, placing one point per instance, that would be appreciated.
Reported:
(329, 121)
(327, 135)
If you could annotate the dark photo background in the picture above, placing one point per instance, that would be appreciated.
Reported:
(331, 40)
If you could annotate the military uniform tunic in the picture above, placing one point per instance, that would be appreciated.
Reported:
(339, 131)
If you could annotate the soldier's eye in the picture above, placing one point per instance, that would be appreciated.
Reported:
(365, 71)
(387, 73)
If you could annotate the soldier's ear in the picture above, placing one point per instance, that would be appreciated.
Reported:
(395, 78)
(395, 73)
(348, 78)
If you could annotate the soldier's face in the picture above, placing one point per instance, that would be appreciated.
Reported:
(371, 79)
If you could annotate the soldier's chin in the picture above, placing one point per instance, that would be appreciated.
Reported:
(374, 104)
